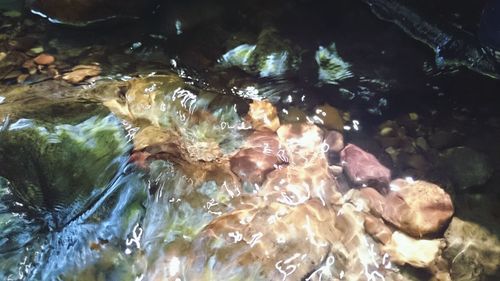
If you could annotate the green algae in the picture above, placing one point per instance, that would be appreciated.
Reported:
(50, 166)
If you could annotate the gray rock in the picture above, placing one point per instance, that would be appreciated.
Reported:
(467, 167)
(472, 251)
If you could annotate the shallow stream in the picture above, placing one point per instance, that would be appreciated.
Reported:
(262, 140)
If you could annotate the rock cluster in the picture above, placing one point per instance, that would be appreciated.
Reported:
(290, 170)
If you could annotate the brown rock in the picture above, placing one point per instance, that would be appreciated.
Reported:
(377, 229)
(363, 168)
(264, 141)
(335, 141)
(260, 154)
(263, 116)
(374, 200)
(293, 115)
(44, 59)
(266, 240)
(81, 72)
(252, 165)
(330, 117)
(417, 208)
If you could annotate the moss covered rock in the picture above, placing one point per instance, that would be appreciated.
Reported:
(270, 56)
(52, 167)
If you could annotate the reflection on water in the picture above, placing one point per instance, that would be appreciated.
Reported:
(279, 141)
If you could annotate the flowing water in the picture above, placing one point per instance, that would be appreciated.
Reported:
(203, 142)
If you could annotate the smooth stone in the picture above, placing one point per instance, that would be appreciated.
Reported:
(421, 253)
(377, 229)
(81, 72)
(303, 143)
(44, 59)
(363, 168)
(473, 251)
(330, 117)
(443, 139)
(417, 207)
(265, 141)
(415, 161)
(467, 167)
(252, 165)
(266, 240)
(374, 200)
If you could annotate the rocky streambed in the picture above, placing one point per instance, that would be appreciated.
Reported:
(149, 154)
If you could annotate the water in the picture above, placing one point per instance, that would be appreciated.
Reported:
(208, 146)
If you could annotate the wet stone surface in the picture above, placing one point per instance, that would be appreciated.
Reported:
(207, 140)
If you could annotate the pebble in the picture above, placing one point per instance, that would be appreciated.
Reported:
(44, 59)
(81, 72)
(2, 56)
(413, 116)
(385, 131)
(36, 50)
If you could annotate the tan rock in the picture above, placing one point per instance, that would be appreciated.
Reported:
(404, 249)
(377, 229)
(266, 240)
(81, 72)
(374, 200)
(417, 207)
(263, 116)
(303, 143)
(44, 59)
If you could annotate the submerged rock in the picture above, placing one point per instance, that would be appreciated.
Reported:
(202, 125)
(252, 165)
(270, 56)
(54, 166)
(418, 253)
(363, 168)
(332, 68)
(418, 208)
(263, 116)
(473, 251)
(273, 241)
(329, 117)
(335, 141)
(259, 156)
(467, 167)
